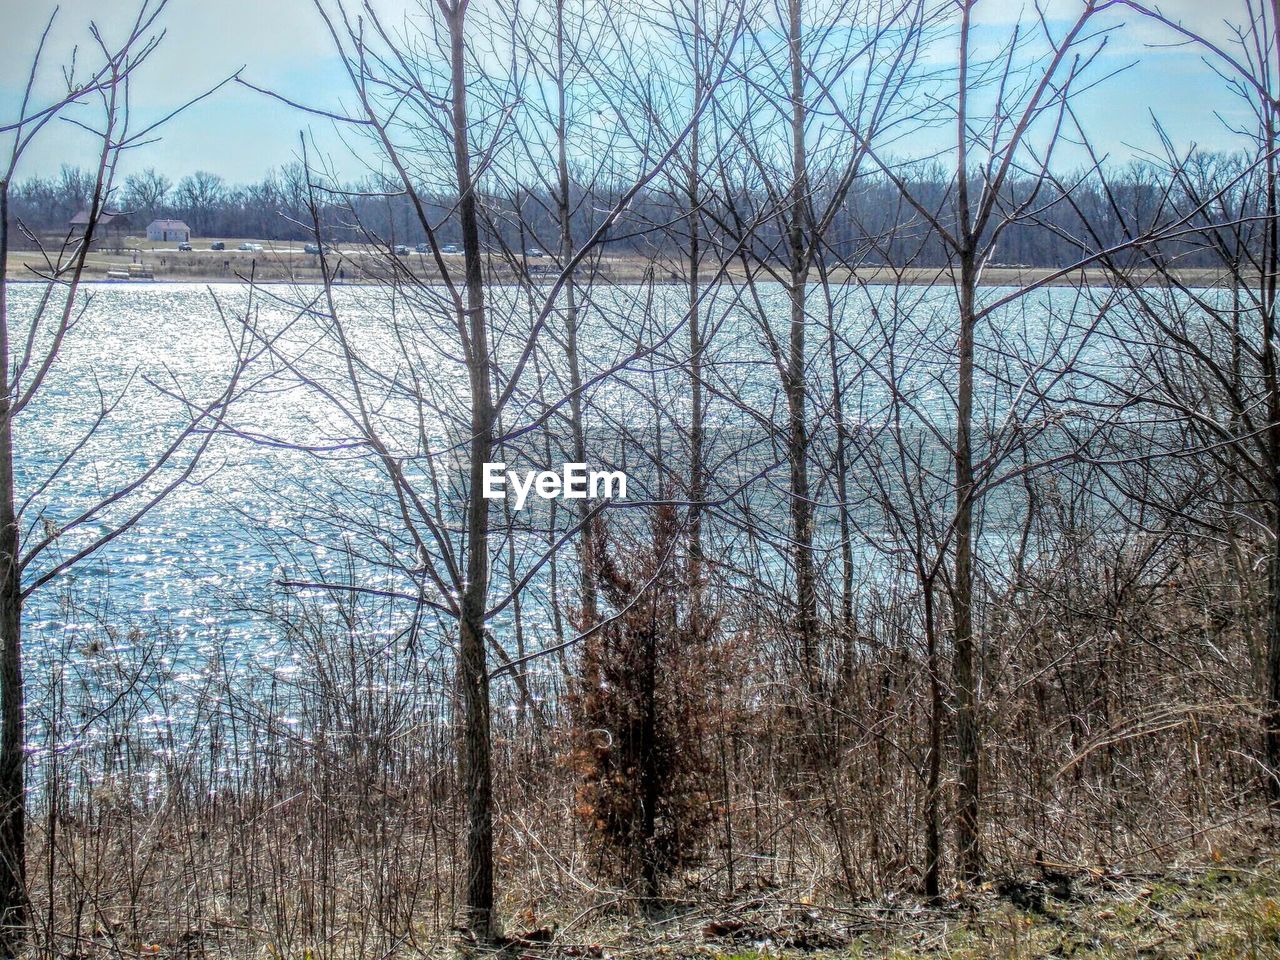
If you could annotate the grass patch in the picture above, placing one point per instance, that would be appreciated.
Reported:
(1213, 915)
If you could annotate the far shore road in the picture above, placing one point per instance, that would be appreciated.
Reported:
(286, 262)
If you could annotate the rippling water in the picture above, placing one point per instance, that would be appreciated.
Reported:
(204, 566)
(130, 350)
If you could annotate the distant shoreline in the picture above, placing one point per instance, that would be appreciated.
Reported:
(632, 272)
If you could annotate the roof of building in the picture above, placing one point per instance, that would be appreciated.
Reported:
(169, 225)
(81, 219)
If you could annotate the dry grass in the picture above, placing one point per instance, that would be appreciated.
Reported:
(1220, 913)
(282, 261)
(1207, 914)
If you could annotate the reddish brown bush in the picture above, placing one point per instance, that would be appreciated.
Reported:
(648, 684)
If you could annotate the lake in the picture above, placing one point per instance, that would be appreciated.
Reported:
(287, 491)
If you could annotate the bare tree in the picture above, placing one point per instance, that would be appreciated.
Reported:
(145, 192)
(410, 79)
(197, 196)
(991, 143)
(864, 72)
(1207, 357)
(40, 541)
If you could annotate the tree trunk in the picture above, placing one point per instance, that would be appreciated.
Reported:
(697, 482)
(1271, 714)
(933, 785)
(477, 775)
(965, 675)
(650, 872)
(849, 634)
(968, 746)
(797, 427)
(1271, 261)
(586, 553)
(13, 886)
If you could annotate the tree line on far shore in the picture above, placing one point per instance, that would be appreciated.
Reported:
(866, 225)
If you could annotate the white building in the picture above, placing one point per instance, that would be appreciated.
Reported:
(166, 230)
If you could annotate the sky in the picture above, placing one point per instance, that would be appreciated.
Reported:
(283, 45)
(237, 133)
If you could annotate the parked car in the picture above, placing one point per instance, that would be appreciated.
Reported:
(423, 248)
(184, 247)
(401, 250)
(450, 248)
(250, 247)
(311, 248)
(534, 252)
(217, 245)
